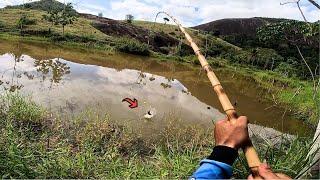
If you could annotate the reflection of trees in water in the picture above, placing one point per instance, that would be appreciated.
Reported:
(141, 78)
(13, 84)
(168, 84)
(54, 69)
(57, 69)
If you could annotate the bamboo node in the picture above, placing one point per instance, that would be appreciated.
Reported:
(197, 51)
(232, 109)
(207, 65)
(218, 84)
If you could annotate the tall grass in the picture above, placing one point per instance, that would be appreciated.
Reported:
(289, 156)
(34, 145)
(132, 46)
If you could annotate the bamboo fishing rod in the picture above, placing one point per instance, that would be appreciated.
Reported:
(249, 151)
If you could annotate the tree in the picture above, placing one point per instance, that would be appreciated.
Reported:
(23, 22)
(67, 16)
(52, 15)
(296, 35)
(166, 20)
(316, 139)
(62, 17)
(129, 18)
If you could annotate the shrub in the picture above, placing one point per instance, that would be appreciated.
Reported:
(132, 46)
(213, 51)
(244, 57)
(25, 21)
(217, 49)
(17, 108)
(266, 58)
(72, 38)
(262, 58)
(184, 50)
(289, 156)
(2, 24)
(286, 69)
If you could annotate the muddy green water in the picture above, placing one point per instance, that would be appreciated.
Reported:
(71, 80)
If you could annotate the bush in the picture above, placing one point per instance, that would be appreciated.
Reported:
(217, 49)
(25, 21)
(266, 58)
(244, 57)
(72, 38)
(132, 46)
(184, 50)
(2, 24)
(261, 58)
(289, 156)
(213, 50)
(287, 70)
(18, 109)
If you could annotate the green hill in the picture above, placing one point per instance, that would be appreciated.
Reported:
(164, 39)
(237, 42)
(9, 18)
(44, 5)
(237, 26)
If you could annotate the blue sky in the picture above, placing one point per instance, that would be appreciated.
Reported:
(191, 12)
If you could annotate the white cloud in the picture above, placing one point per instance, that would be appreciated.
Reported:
(192, 12)
(139, 9)
(256, 8)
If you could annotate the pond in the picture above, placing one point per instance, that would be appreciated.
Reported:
(69, 81)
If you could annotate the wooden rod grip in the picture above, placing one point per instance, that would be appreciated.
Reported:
(249, 151)
(252, 157)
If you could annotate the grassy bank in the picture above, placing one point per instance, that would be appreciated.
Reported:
(39, 39)
(33, 144)
(79, 34)
(295, 95)
(291, 93)
(124, 45)
(81, 27)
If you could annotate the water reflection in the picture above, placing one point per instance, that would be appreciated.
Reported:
(15, 71)
(56, 68)
(78, 87)
(83, 79)
(12, 84)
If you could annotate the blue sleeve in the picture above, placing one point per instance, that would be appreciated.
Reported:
(210, 169)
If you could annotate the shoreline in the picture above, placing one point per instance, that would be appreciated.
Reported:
(270, 81)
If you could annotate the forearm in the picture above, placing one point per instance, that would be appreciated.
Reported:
(218, 165)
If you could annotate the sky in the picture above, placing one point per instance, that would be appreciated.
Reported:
(191, 12)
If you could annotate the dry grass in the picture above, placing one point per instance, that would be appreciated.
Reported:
(81, 27)
(174, 31)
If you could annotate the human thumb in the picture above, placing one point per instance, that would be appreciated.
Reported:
(266, 172)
